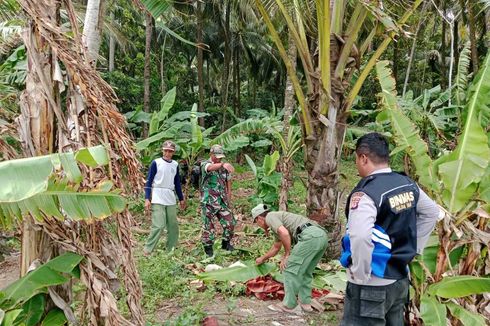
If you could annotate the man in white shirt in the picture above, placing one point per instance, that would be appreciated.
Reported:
(162, 184)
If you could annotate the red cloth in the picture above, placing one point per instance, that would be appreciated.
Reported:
(266, 288)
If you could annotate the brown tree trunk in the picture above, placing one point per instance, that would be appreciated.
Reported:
(36, 125)
(163, 83)
(412, 50)
(455, 42)
(238, 106)
(471, 23)
(289, 105)
(487, 27)
(323, 151)
(147, 72)
(200, 77)
(226, 64)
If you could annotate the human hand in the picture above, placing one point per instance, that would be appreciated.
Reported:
(182, 204)
(147, 206)
(284, 262)
(259, 260)
(229, 167)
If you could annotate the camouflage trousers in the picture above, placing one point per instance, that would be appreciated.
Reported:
(209, 215)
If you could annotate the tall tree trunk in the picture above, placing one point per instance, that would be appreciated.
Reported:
(412, 50)
(487, 27)
(92, 28)
(471, 23)
(289, 105)
(112, 47)
(163, 75)
(455, 35)
(226, 64)
(200, 61)
(443, 48)
(323, 152)
(147, 72)
(238, 83)
(36, 125)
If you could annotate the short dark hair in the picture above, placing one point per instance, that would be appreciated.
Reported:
(375, 146)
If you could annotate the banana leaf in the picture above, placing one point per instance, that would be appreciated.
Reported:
(24, 178)
(464, 168)
(33, 310)
(166, 104)
(55, 317)
(10, 317)
(459, 286)
(61, 200)
(239, 274)
(251, 164)
(30, 186)
(433, 312)
(54, 272)
(466, 317)
(406, 134)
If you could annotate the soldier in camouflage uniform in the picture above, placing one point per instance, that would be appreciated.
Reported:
(215, 200)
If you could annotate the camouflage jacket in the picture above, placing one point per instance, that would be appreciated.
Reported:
(213, 186)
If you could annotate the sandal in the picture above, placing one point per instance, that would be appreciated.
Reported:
(279, 307)
(306, 307)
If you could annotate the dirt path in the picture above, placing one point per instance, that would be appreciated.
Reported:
(248, 311)
(9, 270)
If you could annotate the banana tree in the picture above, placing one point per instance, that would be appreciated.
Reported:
(46, 188)
(460, 181)
(65, 106)
(329, 64)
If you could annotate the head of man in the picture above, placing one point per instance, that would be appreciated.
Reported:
(217, 153)
(259, 213)
(168, 149)
(372, 153)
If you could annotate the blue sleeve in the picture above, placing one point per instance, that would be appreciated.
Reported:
(149, 181)
(178, 187)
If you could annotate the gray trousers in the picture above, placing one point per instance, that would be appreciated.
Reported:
(375, 305)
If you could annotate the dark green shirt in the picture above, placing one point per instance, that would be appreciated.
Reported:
(289, 220)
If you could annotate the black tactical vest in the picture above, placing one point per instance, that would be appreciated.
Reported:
(395, 196)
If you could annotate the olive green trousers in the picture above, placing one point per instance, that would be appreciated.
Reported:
(163, 217)
(304, 257)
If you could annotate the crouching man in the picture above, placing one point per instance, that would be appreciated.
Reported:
(308, 242)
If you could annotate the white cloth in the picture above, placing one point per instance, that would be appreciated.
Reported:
(163, 187)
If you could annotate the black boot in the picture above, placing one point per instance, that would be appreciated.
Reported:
(226, 245)
(208, 250)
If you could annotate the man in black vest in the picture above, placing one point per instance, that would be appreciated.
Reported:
(389, 220)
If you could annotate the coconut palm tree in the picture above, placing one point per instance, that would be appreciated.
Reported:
(330, 38)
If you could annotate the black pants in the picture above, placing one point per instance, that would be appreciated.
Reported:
(375, 305)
